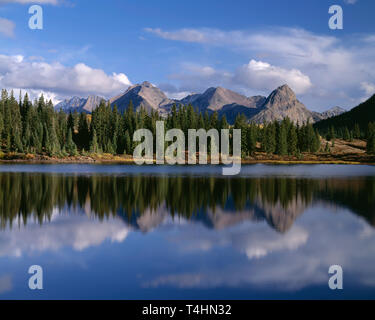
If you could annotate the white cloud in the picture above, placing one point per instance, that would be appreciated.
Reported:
(261, 245)
(288, 262)
(7, 27)
(350, 1)
(77, 232)
(263, 76)
(57, 79)
(369, 88)
(324, 70)
(256, 76)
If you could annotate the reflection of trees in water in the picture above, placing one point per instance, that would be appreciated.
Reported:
(357, 194)
(280, 201)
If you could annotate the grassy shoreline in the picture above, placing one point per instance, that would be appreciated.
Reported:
(261, 158)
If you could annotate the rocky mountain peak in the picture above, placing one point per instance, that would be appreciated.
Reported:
(282, 103)
(142, 95)
(147, 84)
(282, 96)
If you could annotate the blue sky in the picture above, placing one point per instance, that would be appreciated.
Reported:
(101, 47)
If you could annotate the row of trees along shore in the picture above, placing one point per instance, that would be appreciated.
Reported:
(37, 128)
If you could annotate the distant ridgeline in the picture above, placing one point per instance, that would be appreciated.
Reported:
(38, 128)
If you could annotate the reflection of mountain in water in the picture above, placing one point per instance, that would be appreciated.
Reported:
(146, 202)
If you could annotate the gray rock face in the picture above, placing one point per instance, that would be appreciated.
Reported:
(142, 95)
(69, 105)
(333, 112)
(215, 99)
(92, 103)
(79, 104)
(224, 101)
(232, 110)
(283, 103)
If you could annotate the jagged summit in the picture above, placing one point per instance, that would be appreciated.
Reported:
(79, 104)
(143, 95)
(282, 103)
(215, 99)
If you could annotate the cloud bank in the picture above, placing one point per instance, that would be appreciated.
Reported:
(80, 79)
(320, 68)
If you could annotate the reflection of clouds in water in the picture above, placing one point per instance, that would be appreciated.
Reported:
(5, 284)
(292, 261)
(256, 240)
(263, 242)
(76, 231)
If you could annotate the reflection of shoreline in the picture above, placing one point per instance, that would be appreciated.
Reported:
(144, 202)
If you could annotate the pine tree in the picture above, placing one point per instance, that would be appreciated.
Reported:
(206, 121)
(316, 143)
(214, 120)
(346, 134)
(357, 131)
(311, 140)
(70, 125)
(1, 127)
(224, 123)
(292, 140)
(370, 148)
(71, 147)
(269, 138)
(83, 135)
(332, 134)
(128, 143)
(251, 139)
(94, 148)
(282, 136)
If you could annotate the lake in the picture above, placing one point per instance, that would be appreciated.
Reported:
(183, 232)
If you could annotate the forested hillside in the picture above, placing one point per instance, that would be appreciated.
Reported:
(37, 128)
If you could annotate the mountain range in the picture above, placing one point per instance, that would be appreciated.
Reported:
(281, 103)
(79, 104)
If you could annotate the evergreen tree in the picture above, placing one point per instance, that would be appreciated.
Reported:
(370, 148)
(224, 123)
(70, 124)
(357, 131)
(83, 135)
(251, 139)
(292, 140)
(94, 147)
(269, 138)
(331, 134)
(282, 136)
(71, 147)
(1, 127)
(128, 143)
(316, 143)
(346, 134)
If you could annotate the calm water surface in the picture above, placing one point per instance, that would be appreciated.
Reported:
(130, 232)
